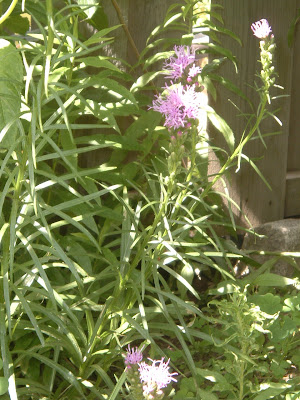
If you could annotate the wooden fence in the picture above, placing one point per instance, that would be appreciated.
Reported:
(280, 161)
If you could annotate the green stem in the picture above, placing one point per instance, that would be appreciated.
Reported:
(238, 148)
(50, 39)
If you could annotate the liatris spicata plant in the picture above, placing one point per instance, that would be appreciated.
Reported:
(177, 66)
(133, 357)
(262, 30)
(155, 377)
(147, 381)
(180, 104)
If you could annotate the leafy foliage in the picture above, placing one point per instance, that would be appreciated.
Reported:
(99, 247)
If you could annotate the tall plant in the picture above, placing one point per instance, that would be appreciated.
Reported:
(94, 258)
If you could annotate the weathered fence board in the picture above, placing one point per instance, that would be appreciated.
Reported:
(258, 202)
(292, 197)
(138, 19)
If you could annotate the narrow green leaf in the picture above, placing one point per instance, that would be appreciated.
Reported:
(6, 357)
(144, 80)
(118, 386)
(98, 62)
(64, 372)
(29, 313)
(270, 390)
(221, 125)
(292, 28)
(215, 49)
(96, 38)
(11, 76)
(89, 7)
(119, 90)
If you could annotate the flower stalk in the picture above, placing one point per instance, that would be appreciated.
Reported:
(147, 380)
(262, 30)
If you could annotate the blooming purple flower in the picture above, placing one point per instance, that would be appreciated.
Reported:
(178, 63)
(194, 71)
(133, 356)
(261, 29)
(180, 104)
(155, 377)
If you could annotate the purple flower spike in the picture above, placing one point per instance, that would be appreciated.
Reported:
(155, 377)
(180, 104)
(261, 29)
(194, 71)
(178, 63)
(133, 356)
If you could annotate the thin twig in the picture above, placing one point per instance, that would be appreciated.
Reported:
(126, 30)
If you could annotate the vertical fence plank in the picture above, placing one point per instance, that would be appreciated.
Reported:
(292, 196)
(139, 17)
(258, 203)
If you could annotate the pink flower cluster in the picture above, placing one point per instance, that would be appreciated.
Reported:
(261, 29)
(156, 376)
(179, 103)
(133, 356)
(177, 65)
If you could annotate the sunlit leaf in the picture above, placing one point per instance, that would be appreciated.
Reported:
(11, 76)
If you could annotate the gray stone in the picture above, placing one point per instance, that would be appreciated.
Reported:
(278, 236)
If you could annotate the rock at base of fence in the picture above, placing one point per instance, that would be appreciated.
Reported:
(277, 236)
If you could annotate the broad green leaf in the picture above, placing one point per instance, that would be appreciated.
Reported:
(11, 76)
(17, 24)
(268, 303)
(273, 280)
(206, 395)
(3, 385)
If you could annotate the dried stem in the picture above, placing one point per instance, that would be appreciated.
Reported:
(126, 30)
